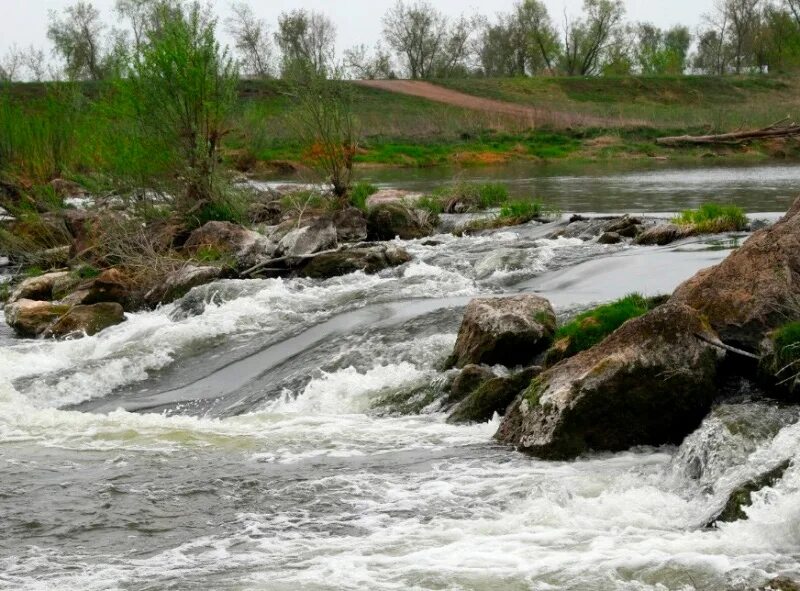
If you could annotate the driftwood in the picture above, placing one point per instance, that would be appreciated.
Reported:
(783, 128)
(720, 345)
(263, 266)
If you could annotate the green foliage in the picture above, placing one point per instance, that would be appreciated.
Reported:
(360, 193)
(223, 208)
(209, 254)
(591, 327)
(33, 271)
(528, 210)
(87, 272)
(492, 195)
(712, 218)
(430, 203)
(5, 291)
(786, 341)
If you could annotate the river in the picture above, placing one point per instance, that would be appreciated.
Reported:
(286, 434)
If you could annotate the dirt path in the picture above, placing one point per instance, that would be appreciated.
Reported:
(533, 115)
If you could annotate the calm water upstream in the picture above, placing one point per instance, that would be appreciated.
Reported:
(249, 437)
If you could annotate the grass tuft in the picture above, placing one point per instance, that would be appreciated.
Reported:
(787, 344)
(713, 218)
(360, 193)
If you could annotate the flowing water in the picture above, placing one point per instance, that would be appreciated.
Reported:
(287, 434)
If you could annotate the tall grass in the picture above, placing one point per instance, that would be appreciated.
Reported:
(713, 218)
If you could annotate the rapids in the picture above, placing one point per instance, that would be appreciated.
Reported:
(287, 434)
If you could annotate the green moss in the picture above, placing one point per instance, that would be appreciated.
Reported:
(712, 218)
(534, 391)
(34, 271)
(591, 327)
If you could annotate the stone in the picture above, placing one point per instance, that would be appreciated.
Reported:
(178, 283)
(38, 288)
(663, 234)
(755, 290)
(467, 381)
(492, 396)
(388, 221)
(350, 224)
(31, 318)
(651, 382)
(369, 260)
(609, 238)
(111, 285)
(247, 248)
(510, 331)
(86, 320)
(742, 496)
(318, 236)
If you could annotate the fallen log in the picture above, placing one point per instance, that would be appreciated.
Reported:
(784, 128)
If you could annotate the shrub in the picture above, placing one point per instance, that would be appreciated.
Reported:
(492, 195)
(712, 218)
(526, 210)
(360, 193)
(591, 327)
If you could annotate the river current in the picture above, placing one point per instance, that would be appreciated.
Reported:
(287, 434)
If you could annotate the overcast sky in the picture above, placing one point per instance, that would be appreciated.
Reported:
(24, 22)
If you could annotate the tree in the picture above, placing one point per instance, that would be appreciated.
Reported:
(181, 90)
(586, 40)
(307, 42)
(325, 121)
(77, 39)
(539, 36)
(34, 61)
(744, 19)
(360, 64)
(426, 41)
(658, 52)
(11, 65)
(251, 39)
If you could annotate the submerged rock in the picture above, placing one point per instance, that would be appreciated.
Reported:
(492, 396)
(388, 221)
(369, 260)
(755, 289)
(649, 383)
(742, 496)
(511, 331)
(245, 247)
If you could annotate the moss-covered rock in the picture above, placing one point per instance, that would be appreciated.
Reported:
(244, 247)
(510, 331)
(467, 381)
(492, 396)
(650, 383)
(88, 320)
(32, 318)
(388, 221)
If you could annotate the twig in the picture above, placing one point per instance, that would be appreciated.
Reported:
(720, 345)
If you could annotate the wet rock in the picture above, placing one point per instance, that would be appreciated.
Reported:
(610, 238)
(742, 496)
(651, 382)
(781, 584)
(467, 381)
(38, 288)
(178, 283)
(112, 285)
(626, 227)
(246, 247)
(369, 260)
(395, 220)
(755, 289)
(663, 234)
(510, 331)
(351, 225)
(88, 320)
(500, 259)
(492, 396)
(31, 318)
(317, 236)
(590, 228)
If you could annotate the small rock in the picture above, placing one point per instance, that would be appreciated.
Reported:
(510, 331)
(369, 260)
(663, 234)
(38, 288)
(395, 220)
(610, 238)
(492, 396)
(742, 496)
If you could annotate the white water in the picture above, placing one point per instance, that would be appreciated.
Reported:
(296, 479)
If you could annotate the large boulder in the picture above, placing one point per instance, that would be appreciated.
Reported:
(351, 225)
(651, 382)
(86, 320)
(510, 331)
(247, 248)
(180, 282)
(317, 236)
(31, 318)
(492, 396)
(753, 291)
(38, 288)
(388, 221)
(369, 260)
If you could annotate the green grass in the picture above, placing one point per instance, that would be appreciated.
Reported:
(712, 218)
(360, 193)
(527, 210)
(589, 328)
(470, 196)
(786, 341)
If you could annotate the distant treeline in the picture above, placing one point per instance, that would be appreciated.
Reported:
(420, 42)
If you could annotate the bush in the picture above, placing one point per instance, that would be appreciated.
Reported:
(431, 204)
(360, 193)
(492, 195)
(591, 327)
(787, 344)
(712, 218)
